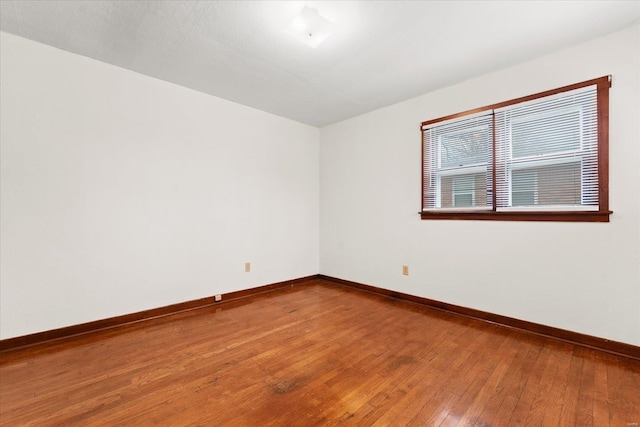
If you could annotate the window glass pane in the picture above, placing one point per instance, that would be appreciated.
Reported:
(524, 187)
(467, 147)
(464, 190)
(537, 135)
(547, 185)
(463, 200)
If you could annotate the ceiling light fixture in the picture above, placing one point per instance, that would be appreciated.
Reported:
(310, 27)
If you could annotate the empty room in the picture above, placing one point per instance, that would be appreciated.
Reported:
(286, 213)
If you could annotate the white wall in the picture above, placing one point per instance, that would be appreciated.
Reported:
(583, 277)
(121, 192)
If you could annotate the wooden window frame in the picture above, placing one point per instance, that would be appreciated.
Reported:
(601, 215)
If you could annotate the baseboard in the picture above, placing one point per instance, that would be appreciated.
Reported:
(602, 344)
(140, 316)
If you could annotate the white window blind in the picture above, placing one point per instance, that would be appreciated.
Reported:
(458, 167)
(547, 153)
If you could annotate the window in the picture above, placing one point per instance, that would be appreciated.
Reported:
(543, 157)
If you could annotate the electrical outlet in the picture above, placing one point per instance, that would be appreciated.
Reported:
(405, 270)
(218, 298)
(247, 267)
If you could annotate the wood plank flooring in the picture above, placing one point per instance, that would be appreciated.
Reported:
(314, 355)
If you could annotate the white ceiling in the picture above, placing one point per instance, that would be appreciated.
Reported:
(382, 52)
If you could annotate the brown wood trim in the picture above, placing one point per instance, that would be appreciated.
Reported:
(140, 316)
(424, 171)
(603, 144)
(601, 82)
(566, 216)
(576, 338)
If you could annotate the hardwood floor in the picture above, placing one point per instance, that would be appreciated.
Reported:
(317, 354)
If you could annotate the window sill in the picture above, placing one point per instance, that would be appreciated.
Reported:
(562, 216)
